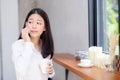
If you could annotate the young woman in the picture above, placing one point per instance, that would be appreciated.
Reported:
(35, 44)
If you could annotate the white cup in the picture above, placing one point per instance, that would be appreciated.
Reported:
(85, 62)
(44, 64)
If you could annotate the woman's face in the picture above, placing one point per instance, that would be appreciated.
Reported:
(36, 25)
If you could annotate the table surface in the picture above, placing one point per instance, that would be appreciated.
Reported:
(69, 62)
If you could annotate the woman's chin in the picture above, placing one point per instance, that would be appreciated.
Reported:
(34, 36)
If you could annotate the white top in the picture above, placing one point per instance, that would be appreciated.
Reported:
(27, 61)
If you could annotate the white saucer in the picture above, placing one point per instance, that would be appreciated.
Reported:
(82, 65)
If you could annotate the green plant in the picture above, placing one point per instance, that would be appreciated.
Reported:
(112, 17)
(112, 23)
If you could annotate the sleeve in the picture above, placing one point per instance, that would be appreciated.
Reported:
(21, 56)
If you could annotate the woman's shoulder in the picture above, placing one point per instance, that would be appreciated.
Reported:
(18, 42)
(22, 43)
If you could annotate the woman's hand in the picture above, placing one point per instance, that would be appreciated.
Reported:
(50, 68)
(25, 34)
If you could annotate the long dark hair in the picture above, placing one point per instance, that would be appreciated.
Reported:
(47, 47)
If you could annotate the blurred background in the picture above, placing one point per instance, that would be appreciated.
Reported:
(75, 25)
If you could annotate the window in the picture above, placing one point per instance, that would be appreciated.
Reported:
(103, 21)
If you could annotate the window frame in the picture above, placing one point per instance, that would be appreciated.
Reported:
(92, 22)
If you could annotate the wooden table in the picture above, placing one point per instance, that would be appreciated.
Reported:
(69, 62)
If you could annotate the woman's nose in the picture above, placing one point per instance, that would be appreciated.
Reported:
(34, 26)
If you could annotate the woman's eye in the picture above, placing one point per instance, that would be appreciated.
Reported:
(39, 23)
(29, 22)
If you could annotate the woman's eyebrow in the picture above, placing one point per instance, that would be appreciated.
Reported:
(30, 19)
(39, 20)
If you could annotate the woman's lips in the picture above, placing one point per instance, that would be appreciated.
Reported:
(33, 31)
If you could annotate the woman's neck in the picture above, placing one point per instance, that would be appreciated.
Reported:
(36, 43)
